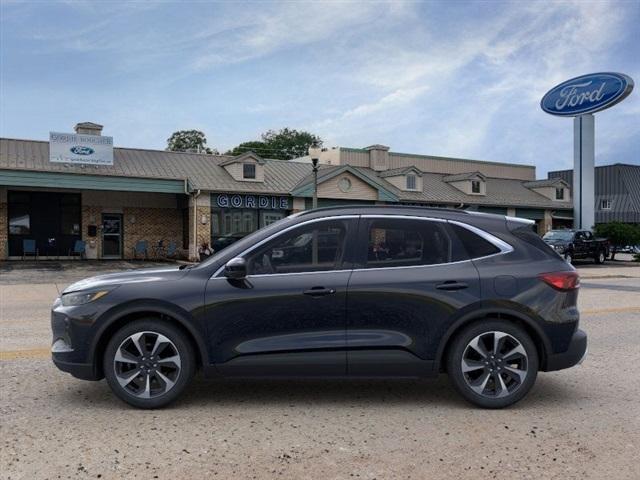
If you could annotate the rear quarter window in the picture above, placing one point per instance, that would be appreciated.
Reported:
(474, 245)
(527, 234)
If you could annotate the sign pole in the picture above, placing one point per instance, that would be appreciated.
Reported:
(583, 171)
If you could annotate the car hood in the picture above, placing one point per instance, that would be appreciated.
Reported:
(557, 242)
(129, 276)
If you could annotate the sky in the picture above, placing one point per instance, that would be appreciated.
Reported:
(452, 78)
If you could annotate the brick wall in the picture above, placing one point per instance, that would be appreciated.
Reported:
(152, 225)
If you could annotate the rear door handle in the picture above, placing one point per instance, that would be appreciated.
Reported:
(452, 285)
(319, 291)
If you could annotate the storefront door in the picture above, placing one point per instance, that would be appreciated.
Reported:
(111, 235)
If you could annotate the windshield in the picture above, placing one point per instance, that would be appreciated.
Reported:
(559, 235)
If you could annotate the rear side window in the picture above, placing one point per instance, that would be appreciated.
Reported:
(532, 238)
(474, 245)
(404, 242)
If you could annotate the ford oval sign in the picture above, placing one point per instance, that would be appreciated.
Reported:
(78, 150)
(587, 94)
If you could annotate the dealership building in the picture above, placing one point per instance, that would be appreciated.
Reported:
(79, 187)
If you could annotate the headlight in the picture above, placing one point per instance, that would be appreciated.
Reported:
(80, 298)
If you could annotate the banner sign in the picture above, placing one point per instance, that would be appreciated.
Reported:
(271, 202)
(80, 149)
(587, 94)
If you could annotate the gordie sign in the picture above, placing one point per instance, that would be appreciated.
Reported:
(252, 201)
(587, 94)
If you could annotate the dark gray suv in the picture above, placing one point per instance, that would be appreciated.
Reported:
(337, 292)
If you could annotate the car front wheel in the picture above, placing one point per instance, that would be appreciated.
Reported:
(600, 257)
(493, 364)
(149, 363)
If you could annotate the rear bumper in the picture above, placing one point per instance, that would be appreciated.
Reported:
(575, 354)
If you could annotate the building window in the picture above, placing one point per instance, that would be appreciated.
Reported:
(411, 182)
(475, 186)
(559, 193)
(605, 204)
(249, 171)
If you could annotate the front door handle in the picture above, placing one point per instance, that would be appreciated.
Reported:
(319, 291)
(452, 285)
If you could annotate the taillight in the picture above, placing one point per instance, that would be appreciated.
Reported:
(561, 280)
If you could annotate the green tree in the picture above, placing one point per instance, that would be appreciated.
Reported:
(188, 141)
(283, 144)
(257, 147)
(619, 235)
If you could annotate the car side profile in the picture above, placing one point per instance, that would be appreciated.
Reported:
(335, 292)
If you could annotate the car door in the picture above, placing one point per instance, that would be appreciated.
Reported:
(288, 317)
(410, 278)
(580, 245)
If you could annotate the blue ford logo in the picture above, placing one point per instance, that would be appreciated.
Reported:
(79, 150)
(587, 94)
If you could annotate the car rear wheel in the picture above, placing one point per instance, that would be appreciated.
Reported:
(493, 364)
(149, 363)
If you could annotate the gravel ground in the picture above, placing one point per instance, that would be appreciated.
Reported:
(578, 423)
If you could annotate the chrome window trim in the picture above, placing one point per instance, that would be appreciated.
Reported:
(503, 246)
(276, 234)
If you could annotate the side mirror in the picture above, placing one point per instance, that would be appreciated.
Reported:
(236, 268)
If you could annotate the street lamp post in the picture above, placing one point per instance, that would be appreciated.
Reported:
(314, 153)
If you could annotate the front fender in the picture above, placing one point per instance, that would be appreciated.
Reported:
(113, 317)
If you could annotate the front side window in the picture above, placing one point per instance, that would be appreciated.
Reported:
(475, 186)
(315, 247)
(559, 193)
(400, 243)
(249, 170)
(411, 182)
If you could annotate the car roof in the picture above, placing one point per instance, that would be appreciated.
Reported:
(444, 213)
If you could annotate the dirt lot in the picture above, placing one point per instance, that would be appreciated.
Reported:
(578, 423)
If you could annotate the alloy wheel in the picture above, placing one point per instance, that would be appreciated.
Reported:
(147, 364)
(494, 364)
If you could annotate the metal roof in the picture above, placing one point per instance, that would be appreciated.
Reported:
(205, 172)
(463, 176)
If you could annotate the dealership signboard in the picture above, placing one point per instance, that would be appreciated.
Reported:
(80, 149)
(580, 98)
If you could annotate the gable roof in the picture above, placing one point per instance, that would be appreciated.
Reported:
(395, 172)
(547, 182)
(248, 155)
(463, 176)
(305, 187)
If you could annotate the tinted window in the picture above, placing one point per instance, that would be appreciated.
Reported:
(311, 248)
(528, 235)
(474, 245)
(400, 243)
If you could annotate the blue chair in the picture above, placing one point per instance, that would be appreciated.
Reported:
(172, 248)
(141, 248)
(79, 248)
(29, 248)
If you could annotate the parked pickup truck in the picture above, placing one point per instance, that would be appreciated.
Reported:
(577, 244)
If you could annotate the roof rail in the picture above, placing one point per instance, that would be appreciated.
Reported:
(381, 207)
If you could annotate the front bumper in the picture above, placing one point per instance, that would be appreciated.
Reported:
(574, 355)
(71, 337)
(83, 371)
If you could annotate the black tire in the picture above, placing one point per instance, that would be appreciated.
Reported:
(179, 343)
(461, 380)
(600, 257)
(568, 258)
